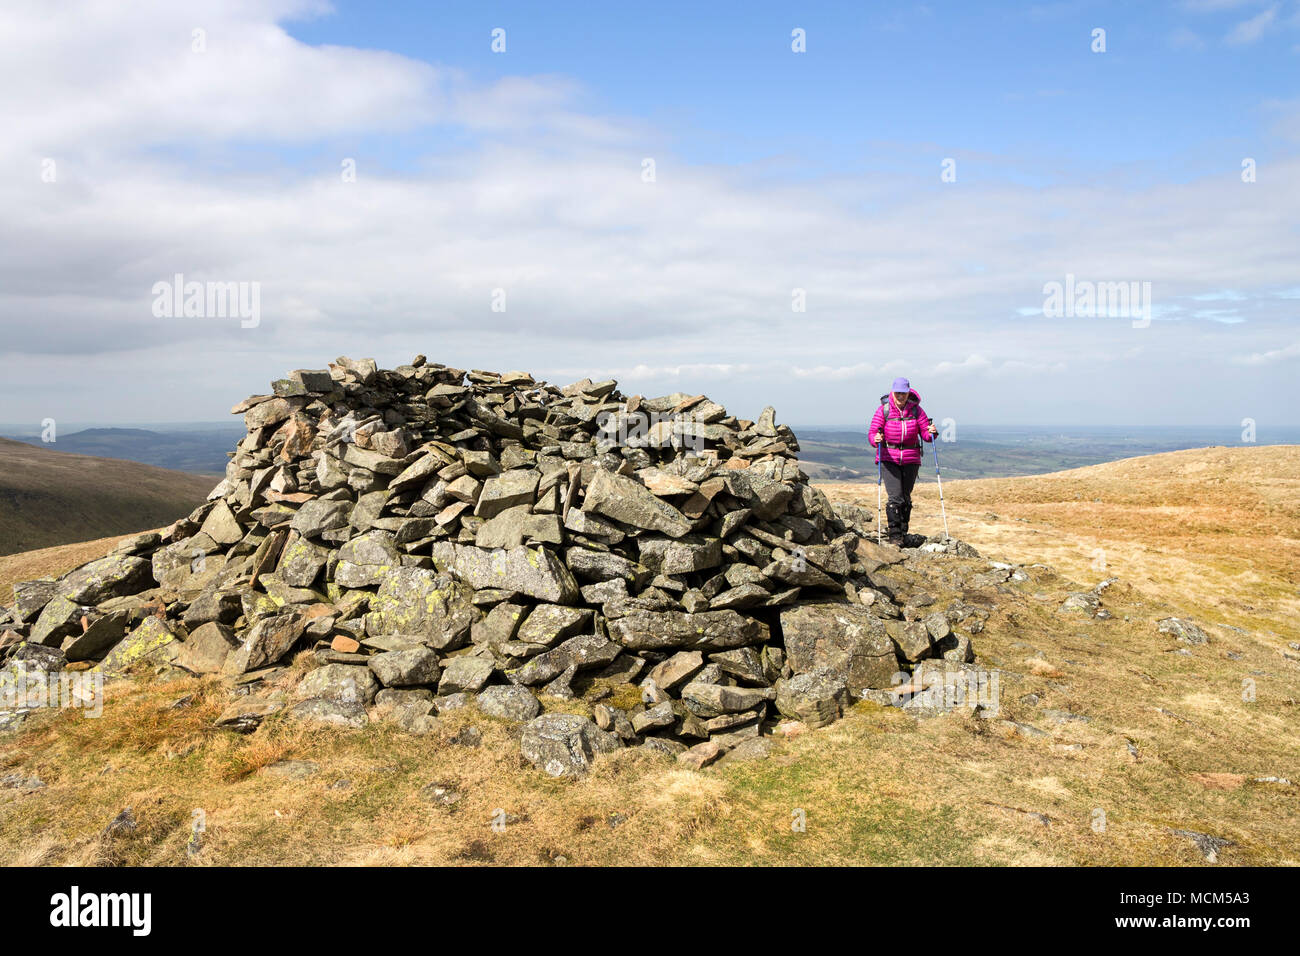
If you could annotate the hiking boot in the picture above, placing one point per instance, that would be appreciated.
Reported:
(897, 522)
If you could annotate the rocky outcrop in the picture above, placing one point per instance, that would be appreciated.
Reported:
(440, 537)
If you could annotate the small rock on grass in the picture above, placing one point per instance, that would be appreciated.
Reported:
(1208, 845)
(754, 748)
(441, 794)
(122, 824)
(700, 756)
(292, 769)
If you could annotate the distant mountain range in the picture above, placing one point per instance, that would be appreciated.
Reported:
(827, 453)
(831, 454)
(198, 450)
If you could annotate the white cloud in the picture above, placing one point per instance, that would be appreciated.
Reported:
(657, 372)
(836, 372)
(103, 78)
(972, 363)
(1270, 357)
(1251, 30)
(684, 282)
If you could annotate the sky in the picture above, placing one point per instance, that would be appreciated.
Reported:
(756, 201)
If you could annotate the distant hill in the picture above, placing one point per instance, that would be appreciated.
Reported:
(50, 497)
(200, 450)
(828, 454)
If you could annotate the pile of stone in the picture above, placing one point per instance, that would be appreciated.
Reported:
(441, 539)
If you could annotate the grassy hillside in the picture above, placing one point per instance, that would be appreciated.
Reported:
(1111, 737)
(1218, 528)
(199, 450)
(52, 497)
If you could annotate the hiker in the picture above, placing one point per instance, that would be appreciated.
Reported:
(896, 432)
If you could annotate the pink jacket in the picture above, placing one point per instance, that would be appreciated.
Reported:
(904, 427)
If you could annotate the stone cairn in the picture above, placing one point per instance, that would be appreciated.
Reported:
(443, 539)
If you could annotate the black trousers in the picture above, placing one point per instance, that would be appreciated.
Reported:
(899, 480)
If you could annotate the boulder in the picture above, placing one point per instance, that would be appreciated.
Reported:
(548, 623)
(709, 630)
(845, 639)
(912, 638)
(565, 745)
(711, 700)
(59, 619)
(1182, 630)
(406, 668)
(344, 683)
(580, 653)
(367, 560)
(100, 635)
(700, 756)
(31, 596)
(319, 515)
(680, 556)
(509, 702)
(113, 576)
(535, 572)
(507, 490)
(331, 712)
(301, 562)
(815, 698)
(153, 642)
(268, 640)
(676, 670)
(207, 648)
(465, 673)
(629, 502)
(429, 606)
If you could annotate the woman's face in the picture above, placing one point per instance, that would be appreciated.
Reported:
(900, 397)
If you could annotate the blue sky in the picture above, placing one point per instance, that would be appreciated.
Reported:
(207, 139)
(996, 78)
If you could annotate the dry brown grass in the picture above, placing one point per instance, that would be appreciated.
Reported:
(1216, 527)
(877, 787)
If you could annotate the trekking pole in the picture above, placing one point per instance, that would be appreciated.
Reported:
(939, 478)
(877, 496)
